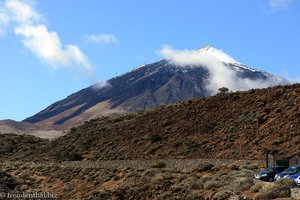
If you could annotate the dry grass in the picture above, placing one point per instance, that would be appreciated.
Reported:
(85, 181)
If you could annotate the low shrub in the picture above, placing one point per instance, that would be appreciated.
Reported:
(285, 183)
(212, 185)
(251, 167)
(234, 167)
(167, 176)
(195, 196)
(202, 167)
(222, 195)
(155, 138)
(159, 164)
(68, 156)
(175, 188)
(243, 173)
(256, 187)
(191, 184)
(241, 184)
(280, 189)
(165, 195)
(177, 143)
(154, 149)
(181, 177)
(75, 157)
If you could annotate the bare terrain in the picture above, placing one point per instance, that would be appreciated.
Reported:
(207, 148)
(239, 125)
(38, 130)
(130, 179)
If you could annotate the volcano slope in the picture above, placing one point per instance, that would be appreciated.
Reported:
(240, 125)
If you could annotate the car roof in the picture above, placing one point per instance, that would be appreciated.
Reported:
(295, 166)
(276, 166)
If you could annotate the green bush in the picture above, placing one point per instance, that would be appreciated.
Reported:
(195, 195)
(155, 138)
(223, 90)
(176, 188)
(222, 195)
(154, 149)
(75, 157)
(177, 143)
(202, 167)
(243, 173)
(167, 176)
(234, 167)
(280, 189)
(212, 185)
(191, 184)
(256, 187)
(251, 167)
(159, 164)
(68, 156)
(241, 184)
(285, 183)
(165, 195)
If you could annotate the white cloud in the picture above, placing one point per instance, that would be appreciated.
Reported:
(102, 84)
(21, 11)
(43, 43)
(3, 22)
(47, 46)
(4, 19)
(101, 38)
(220, 75)
(279, 4)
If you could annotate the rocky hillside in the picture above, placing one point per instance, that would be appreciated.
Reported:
(230, 125)
(237, 125)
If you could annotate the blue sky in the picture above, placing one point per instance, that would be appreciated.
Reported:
(50, 49)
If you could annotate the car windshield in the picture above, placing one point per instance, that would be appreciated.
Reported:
(269, 169)
(292, 169)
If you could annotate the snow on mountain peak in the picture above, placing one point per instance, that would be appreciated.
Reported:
(206, 56)
(217, 54)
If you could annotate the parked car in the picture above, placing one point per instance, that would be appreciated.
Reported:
(294, 176)
(288, 172)
(269, 173)
(297, 180)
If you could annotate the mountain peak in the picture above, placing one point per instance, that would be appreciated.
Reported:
(153, 85)
(217, 54)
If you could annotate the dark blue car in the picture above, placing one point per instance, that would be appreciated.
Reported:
(294, 176)
(269, 173)
(288, 172)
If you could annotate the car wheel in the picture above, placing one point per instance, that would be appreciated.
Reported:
(271, 179)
